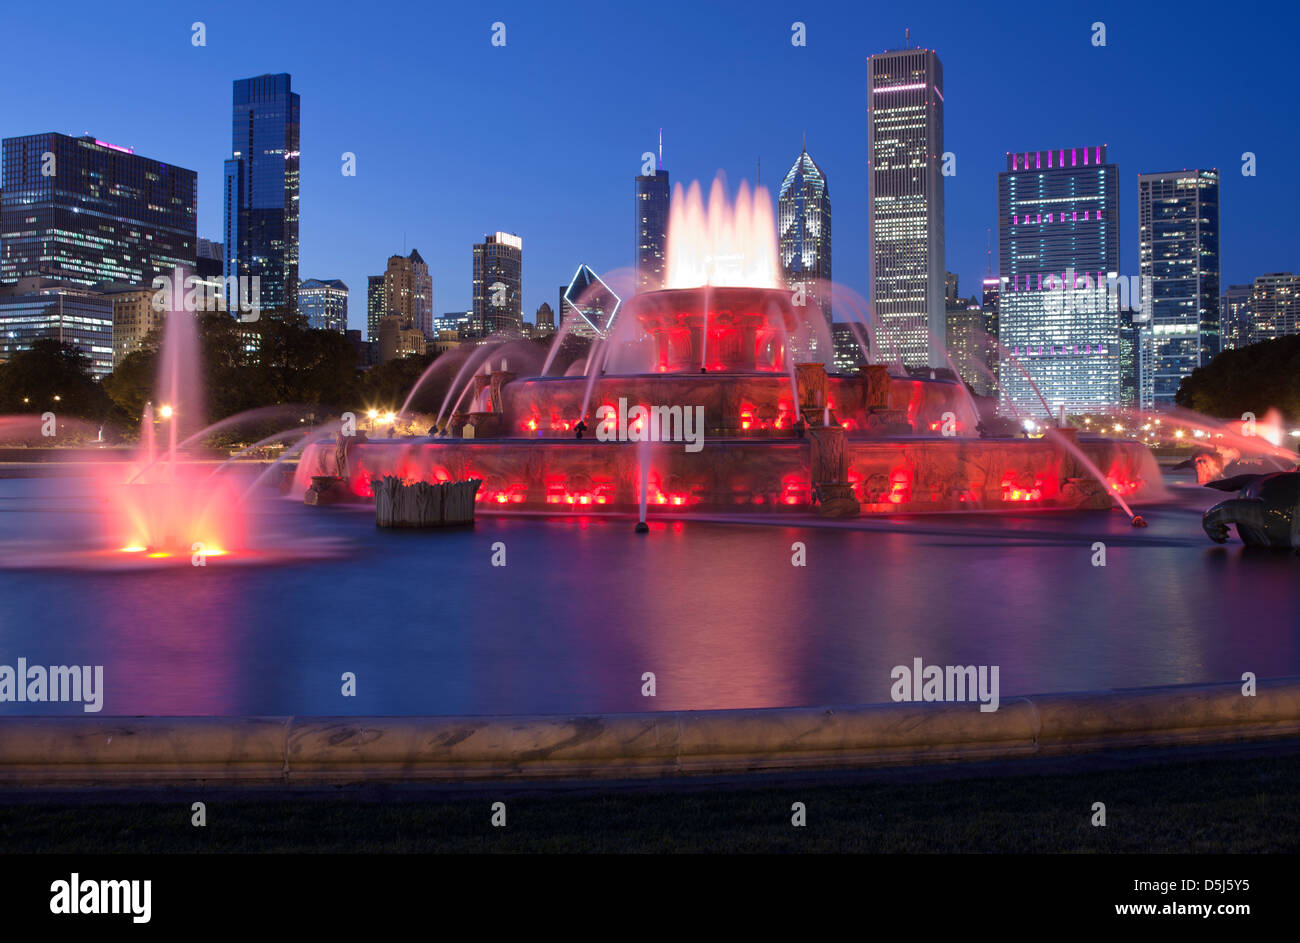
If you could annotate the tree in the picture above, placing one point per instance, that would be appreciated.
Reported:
(386, 385)
(52, 376)
(1249, 379)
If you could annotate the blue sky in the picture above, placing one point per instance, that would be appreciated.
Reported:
(455, 137)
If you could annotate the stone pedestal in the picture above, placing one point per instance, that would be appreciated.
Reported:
(829, 470)
(810, 384)
(325, 489)
(878, 384)
(499, 379)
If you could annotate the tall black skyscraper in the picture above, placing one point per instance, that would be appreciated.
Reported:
(261, 192)
(82, 211)
(650, 211)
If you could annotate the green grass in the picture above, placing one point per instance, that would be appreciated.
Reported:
(1247, 804)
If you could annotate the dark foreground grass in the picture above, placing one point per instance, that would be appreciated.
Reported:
(1236, 804)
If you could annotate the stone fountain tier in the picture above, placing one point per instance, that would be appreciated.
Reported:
(736, 405)
(747, 328)
(917, 473)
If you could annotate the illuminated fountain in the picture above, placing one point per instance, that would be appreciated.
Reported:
(778, 434)
(169, 505)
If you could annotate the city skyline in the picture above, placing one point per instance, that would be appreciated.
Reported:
(421, 190)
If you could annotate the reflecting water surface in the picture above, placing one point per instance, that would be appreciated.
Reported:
(584, 607)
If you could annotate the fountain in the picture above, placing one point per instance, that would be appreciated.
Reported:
(173, 503)
(778, 434)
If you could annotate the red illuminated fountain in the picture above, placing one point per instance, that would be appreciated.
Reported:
(172, 505)
(777, 434)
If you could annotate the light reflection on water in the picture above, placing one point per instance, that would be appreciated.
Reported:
(584, 608)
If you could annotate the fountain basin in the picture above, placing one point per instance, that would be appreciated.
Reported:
(886, 475)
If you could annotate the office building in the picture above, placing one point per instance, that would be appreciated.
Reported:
(593, 302)
(1234, 316)
(33, 308)
(1178, 259)
(1058, 244)
(262, 190)
(905, 207)
(323, 303)
(849, 340)
(804, 231)
(498, 286)
(81, 211)
(652, 198)
(1274, 306)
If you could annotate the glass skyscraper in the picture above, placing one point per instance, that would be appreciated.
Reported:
(652, 199)
(498, 285)
(1058, 243)
(261, 190)
(1274, 306)
(1234, 316)
(804, 228)
(1178, 250)
(83, 211)
(905, 211)
(594, 301)
(324, 303)
(37, 308)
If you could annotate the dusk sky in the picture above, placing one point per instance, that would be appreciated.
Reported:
(456, 138)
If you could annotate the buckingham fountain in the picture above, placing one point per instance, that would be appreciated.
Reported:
(781, 433)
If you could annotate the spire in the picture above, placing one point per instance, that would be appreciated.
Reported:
(805, 142)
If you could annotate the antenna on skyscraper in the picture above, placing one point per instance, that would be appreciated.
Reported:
(661, 148)
(907, 37)
(988, 250)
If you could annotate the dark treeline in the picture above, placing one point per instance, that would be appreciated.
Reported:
(271, 362)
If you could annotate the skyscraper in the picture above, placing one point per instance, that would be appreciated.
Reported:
(498, 285)
(594, 302)
(421, 294)
(34, 308)
(1274, 306)
(970, 345)
(324, 303)
(1058, 241)
(81, 211)
(261, 190)
(650, 211)
(1178, 250)
(376, 305)
(804, 228)
(905, 211)
(406, 293)
(1234, 316)
(544, 320)
(849, 341)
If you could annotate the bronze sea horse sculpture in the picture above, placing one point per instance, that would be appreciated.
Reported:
(1266, 510)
